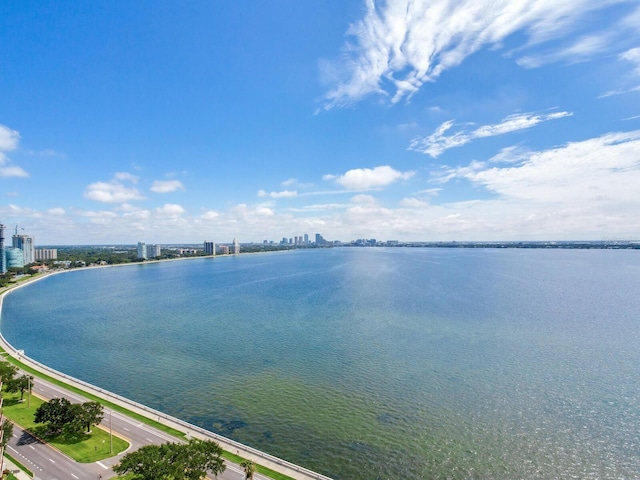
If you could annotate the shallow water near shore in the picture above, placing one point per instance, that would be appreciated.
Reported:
(368, 363)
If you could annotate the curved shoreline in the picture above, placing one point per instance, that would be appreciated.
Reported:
(262, 458)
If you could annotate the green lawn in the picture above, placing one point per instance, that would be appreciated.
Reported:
(87, 448)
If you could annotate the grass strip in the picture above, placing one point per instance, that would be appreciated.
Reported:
(19, 465)
(83, 448)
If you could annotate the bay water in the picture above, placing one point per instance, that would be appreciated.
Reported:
(368, 363)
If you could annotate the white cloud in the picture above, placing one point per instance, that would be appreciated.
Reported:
(13, 171)
(369, 178)
(413, 203)
(591, 173)
(170, 209)
(438, 142)
(8, 139)
(126, 177)
(166, 186)
(400, 44)
(114, 191)
(282, 194)
(210, 215)
(56, 211)
(363, 199)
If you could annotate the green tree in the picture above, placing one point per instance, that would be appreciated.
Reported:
(173, 461)
(249, 469)
(7, 432)
(19, 384)
(7, 371)
(91, 413)
(57, 412)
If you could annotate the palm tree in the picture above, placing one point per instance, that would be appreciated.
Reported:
(249, 469)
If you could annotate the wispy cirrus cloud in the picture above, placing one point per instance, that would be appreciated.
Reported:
(369, 178)
(439, 141)
(400, 44)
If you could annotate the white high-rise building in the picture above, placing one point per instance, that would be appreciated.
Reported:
(236, 246)
(209, 248)
(142, 250)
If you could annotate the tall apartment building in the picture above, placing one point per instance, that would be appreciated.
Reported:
(209, 248)
(236, 246)
(27, 245)
(46, 254)
(154, 251)
(14, 258)
(142, 250)
(3, 260)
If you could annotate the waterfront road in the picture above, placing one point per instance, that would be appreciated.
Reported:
(47, 463)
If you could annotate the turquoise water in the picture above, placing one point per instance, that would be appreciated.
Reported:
(369, 363)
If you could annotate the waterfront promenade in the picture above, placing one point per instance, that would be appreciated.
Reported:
(190, 431)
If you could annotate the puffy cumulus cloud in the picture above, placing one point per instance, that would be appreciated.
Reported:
(170, 209)
(118, 190)
(282, 194)
(210, 215)
(111, 192)
(369, 178)
(400, 44)
(439, 141)
(166, 186)
(9, 140)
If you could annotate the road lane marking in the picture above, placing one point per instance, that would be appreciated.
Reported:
(51, 461)
(32, 447)
(75, 476)
(103, 465)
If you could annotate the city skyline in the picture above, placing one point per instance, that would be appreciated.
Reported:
(405, 120)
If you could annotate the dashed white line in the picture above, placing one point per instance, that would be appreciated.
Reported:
(103, 465)
(75, 476)
(52, 461)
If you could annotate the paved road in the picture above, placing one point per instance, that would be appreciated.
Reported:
(48, 463)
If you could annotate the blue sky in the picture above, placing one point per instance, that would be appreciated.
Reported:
(166, 121)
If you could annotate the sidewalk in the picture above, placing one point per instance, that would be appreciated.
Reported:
(19, 474)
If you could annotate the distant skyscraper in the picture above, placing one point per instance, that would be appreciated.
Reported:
(142, 250)
(320, 240)
(236, 246)
(26, 244)
(209, 248)
(3, 259)
(306, 239)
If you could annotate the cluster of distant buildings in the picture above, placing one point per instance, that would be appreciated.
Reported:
(149, 251)
(22, 251)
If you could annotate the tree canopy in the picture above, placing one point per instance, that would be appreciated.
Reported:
(173, 461)
(71, 418)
